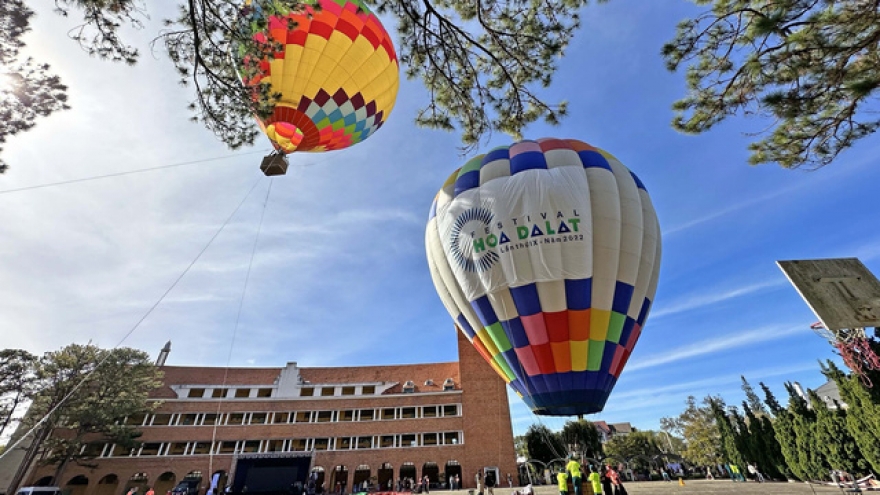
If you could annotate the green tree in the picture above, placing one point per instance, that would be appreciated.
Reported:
(28, 89)
(838, 446)
(480, 61)
(544, 445)
(696, 425)
(520, 446)
(783, 427)
(727, 433)
(83, 393)
(810, 455)
(810, 69)
(863, 414)
(636, 443)
(17, 381)
(582, 436)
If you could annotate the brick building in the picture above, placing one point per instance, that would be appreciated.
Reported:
(346, 425)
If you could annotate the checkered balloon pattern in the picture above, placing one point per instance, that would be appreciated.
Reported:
(337, 74)
(546, 254)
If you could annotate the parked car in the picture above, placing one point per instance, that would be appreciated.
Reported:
(187, 486)
(39, 490)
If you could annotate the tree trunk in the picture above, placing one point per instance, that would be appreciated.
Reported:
(56, 478)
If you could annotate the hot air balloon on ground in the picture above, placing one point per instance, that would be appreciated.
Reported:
(336, 74)
(546, 254)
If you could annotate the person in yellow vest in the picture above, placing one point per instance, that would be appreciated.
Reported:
(595, 480)
(573, 468)
(562, 481)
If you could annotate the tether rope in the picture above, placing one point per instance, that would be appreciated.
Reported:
(247, 278)
(129, 172)
(10, 448)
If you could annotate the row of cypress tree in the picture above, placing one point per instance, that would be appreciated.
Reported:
(808, 438)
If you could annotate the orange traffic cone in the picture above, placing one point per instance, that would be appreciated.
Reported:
(680, 481)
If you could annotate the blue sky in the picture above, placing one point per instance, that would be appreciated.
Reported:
(339, 275)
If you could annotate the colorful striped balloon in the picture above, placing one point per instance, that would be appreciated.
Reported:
(337, 75)
(546, 254)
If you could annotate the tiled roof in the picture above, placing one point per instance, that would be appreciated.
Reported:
(622, 427)
(233, 377)
(417, 373)
(602, 426)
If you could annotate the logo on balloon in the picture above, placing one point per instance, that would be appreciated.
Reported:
(470, 249)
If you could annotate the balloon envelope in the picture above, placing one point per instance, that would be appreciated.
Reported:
(336, 74)
(546, 254)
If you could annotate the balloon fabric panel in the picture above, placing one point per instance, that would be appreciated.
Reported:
(337, 76)
(546, 254)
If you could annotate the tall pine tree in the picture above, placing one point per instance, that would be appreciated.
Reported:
(834, 439)
(783, 428)
(863, 413)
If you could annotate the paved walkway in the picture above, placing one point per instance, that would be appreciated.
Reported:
(692, 487)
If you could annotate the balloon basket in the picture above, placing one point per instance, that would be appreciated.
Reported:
(274, 164)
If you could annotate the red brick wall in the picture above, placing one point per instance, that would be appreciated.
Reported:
(488, 431)
(484, 421)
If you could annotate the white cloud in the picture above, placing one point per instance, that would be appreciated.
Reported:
(717, 344)
(702, 299)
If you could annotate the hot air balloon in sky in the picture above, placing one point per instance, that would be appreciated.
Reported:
(337, 76)
(546, 253)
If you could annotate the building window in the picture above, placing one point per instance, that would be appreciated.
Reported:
(161, 420)
(251, 446)
(196, 393)
(136, 420)
(242, 393)
(275, 445)
(281, 418)
(227, 447)
(218, 393)
(448, 385)
(367, 414)
(388, 413)
(346, 415)
(187, 419)
(94, 449)
(368, 390)
(429, 412)
(264, 392)
(365, 442)
(176, 448)
(409, 387)
(302, 416)
(209, 419)
(451, 438)
(343, 443)
(199, 448)
(306, 392)
(324, 417)
(259, 418)
(298, 444)
(347, 390)
(429, 439)
(321, 443)
(450, 410)
(328, 391)
(408, 440)
(150, 449)
(407, 412)
(386, 441)
(235, 418)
